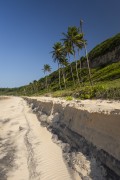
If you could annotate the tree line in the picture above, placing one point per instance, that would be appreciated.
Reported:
(70, 45)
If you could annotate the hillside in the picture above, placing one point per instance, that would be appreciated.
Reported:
(107, 46)
(105, 70)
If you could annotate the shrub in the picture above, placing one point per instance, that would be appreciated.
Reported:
(69, 98)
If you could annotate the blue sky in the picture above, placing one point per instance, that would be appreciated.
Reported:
(29, 28)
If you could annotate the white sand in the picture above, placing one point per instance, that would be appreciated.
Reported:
(27, 151)
(98, 105)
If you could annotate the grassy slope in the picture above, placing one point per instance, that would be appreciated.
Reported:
(104, 47)
(106, 79)
(106, 84)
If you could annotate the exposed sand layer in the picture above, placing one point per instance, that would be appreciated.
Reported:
(96, 120)
(93, 126)
(104, 106)
(27, 151)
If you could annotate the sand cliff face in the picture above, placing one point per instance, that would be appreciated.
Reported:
(93, 126)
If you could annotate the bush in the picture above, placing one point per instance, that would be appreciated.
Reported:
(69, 98)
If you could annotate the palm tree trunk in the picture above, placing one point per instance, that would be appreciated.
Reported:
(46, 83)
(71, 71)
(80, 72)
(72, 74)
(77, 70)
(37, 86)
(80, 68)
(86, 54)
(59, 76)
(63, 73)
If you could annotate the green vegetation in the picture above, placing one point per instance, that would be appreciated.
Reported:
(106, 46)
(69, 98)
(64, 81)
(46, 69)
(106, 82)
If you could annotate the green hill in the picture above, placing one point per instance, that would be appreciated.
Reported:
(106, 79)
(105, 47)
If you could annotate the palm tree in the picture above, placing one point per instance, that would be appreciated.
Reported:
(31, 88)
(75, 39)
(46, 69)
(80, 44)
(63, 63)
(35, 83)
(58, 54)
(86, 54)
(69, 51)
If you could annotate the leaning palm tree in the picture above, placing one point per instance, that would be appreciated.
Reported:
(86, 54)
(80, 44)
(63, 63)
(31, 88)
(74, 38)
(69, 51)
(58, 53)
(46, 69)
(35, 85)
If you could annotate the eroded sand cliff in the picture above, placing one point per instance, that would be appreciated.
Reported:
(91, 130)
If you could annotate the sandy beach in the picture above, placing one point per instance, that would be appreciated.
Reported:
(27, 151)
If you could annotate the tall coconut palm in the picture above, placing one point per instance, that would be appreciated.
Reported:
(69, 51)
(74, 38)
(58, 54)
(80, 44)
(86, 54)
(35, 83)
(46, 69)
(31, 88)
(63, 63)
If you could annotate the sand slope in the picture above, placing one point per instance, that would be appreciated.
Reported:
(26, 149)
